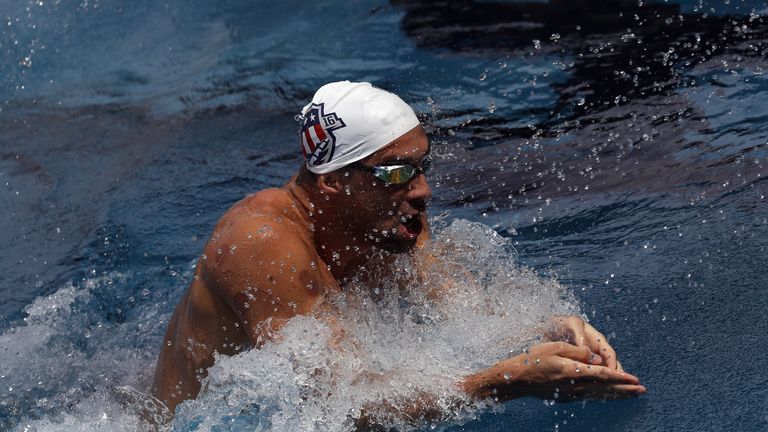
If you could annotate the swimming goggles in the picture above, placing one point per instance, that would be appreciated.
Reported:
(396, 174)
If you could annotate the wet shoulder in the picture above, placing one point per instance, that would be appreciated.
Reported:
(261, 254)
(275, 202)
(262, 235)
(274, 209)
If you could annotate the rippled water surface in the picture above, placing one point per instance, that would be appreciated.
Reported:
(605, 158)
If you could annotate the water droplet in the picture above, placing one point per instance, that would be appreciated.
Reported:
(537, 44)
(483, 76)
(491, 106)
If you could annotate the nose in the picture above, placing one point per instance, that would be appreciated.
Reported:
(419, 192)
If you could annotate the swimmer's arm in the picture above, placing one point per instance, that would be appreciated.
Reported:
(264, 272)
(554, 370)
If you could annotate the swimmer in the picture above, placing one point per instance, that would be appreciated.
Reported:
(277, 253)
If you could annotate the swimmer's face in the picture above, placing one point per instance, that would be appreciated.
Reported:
(390, 215)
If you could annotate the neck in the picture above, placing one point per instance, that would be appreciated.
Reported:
(334, 241)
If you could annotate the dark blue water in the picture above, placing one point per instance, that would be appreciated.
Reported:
(621, 147)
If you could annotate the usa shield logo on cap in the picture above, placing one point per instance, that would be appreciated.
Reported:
(316, 134)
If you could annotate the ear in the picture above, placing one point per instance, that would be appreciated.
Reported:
(331, 183)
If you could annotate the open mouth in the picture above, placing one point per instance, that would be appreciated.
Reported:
(412, 225)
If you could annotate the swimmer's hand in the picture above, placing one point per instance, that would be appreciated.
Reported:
(554, 370)
(576, 331)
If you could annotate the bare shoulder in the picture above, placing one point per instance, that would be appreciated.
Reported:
(260, 234)
(270, 205)
(261, 259)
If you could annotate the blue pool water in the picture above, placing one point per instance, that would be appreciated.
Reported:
(618, 149)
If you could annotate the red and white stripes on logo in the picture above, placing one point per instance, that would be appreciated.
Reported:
(311, 138)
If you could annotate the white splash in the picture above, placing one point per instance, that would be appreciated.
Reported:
(390, 343)
(64, 363)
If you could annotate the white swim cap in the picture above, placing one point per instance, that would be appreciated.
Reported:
(347, 121)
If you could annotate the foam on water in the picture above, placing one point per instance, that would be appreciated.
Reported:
(390, 342)
(65, 365)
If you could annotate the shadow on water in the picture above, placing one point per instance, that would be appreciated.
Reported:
(623, 49)
(622, 118)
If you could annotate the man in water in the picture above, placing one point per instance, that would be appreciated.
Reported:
(277, 253)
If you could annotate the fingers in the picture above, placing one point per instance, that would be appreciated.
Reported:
(598, 343)
(569, 362)
(608, 354)
(629, 388)
(562, 349)
(575, 330)
(550, 368)
(568, 328)
(602, 374)
(576, 334)
(583, 364)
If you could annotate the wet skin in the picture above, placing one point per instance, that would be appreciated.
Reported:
(277, 254)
